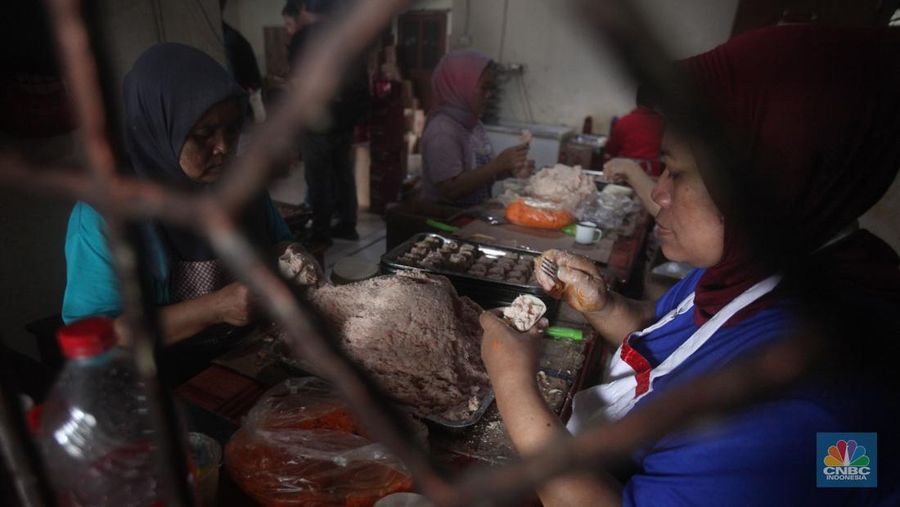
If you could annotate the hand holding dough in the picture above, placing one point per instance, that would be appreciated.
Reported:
(526, 136)
(578, 281)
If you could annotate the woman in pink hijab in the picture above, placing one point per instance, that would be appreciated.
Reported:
(458, 161)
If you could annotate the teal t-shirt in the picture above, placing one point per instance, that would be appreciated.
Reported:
(92, 287)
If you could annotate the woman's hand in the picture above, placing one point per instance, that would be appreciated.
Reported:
(306, 272)
(233, 305)
(513, 158)
(511, 357)
(579, 281)
(524, 171)
(621, 170)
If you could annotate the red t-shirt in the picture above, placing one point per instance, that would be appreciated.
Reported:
(637, 135)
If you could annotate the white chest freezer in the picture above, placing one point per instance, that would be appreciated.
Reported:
(545, 144)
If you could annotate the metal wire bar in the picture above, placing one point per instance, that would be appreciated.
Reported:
(80, 70)
(121, 199)
(315, 80)
(212, 221)
(619, 25)
(726, 389)
(308, 338)
(135, 199)
(711, 395)
(29, 481)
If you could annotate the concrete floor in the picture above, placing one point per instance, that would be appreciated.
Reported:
(371, 245)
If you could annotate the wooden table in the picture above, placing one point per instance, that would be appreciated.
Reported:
(219, 396)
(621, 256)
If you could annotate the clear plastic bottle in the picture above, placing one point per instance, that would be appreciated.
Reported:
(95, 431)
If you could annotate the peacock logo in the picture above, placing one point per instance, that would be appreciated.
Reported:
(846, 453)
(846, 460)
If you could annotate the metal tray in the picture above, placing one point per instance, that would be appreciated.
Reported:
(288, 361)
(486, 292)
(465, 423)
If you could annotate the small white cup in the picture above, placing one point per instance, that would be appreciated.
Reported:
(587, 233)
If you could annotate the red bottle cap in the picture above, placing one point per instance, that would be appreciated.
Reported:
(86, 338)
(33, 419)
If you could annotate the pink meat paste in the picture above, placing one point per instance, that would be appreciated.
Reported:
(415, 336)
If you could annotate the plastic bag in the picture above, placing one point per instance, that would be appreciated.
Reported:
(567, 186)
(539, 214)
(608, 211)
(299, 445)
(302, 404)
(312, 468)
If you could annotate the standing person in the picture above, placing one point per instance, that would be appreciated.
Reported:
(458, 162)
(243, 66)
(296, 16)
(327, 149)
(637, 135)
(183, 118)
(815, 115)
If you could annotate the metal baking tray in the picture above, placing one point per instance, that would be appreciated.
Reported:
(485, 402)
(465, 423)
(486, 292)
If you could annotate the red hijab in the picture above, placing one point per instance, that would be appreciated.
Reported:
(455, 84)
(817, 114)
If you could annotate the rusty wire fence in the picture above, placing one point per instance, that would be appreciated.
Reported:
(123, 200)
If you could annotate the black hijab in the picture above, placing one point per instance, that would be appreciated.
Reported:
(169, 88)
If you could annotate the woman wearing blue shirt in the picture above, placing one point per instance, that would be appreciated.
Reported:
(183, 116)
(815, 116)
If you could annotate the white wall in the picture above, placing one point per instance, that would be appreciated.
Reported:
(135, 25)
(434, 5)
(249, 17)
(567, 77)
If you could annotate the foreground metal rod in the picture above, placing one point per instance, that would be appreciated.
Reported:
(113, 196)
(80, 69)
(19, 454)
(619, 26)
(715, 394)
(317, 76)
(143, 200)
(81, 76)
(296, 319)
(127, 198)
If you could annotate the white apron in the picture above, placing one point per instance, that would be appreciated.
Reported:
(624, 386)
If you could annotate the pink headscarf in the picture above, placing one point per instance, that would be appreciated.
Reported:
(455, 84)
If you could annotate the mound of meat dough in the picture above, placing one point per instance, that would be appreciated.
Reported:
(562, 184)
(415, 336)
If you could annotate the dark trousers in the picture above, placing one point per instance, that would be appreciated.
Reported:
(328, 167)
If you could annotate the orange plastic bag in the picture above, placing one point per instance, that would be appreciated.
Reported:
(312, 468)
(297, 447)
(302, 404)
(538, 214)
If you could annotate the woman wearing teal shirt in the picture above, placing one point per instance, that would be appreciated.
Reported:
(183, 115)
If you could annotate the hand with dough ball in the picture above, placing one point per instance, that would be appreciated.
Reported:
(511, 357)
(578, 281)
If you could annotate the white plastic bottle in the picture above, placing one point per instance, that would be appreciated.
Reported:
(95, 431)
